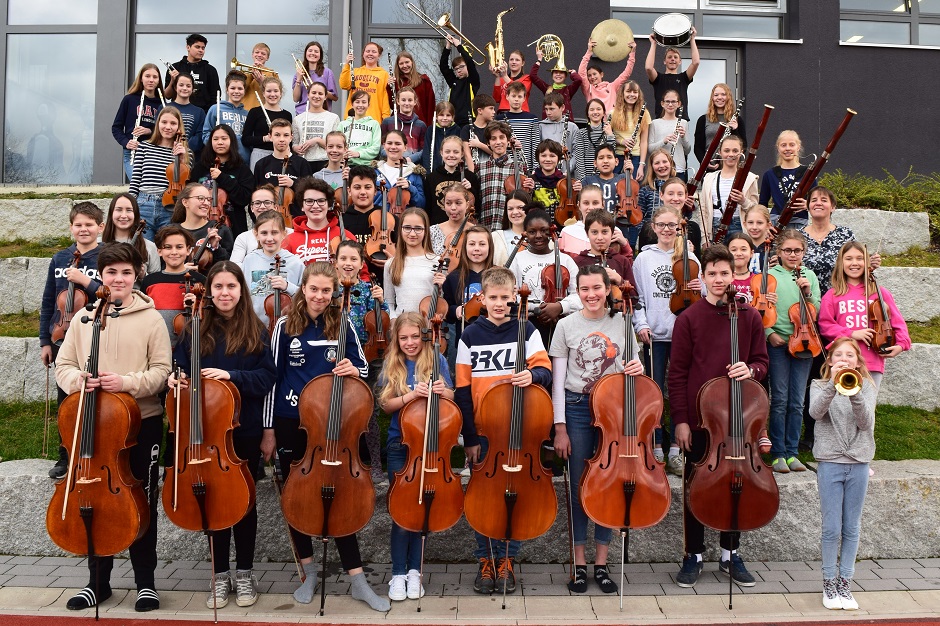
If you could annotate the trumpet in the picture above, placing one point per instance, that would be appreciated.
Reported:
(442, 26)
(848, 382)
(248, 69)
(552, 48)
(304, 74)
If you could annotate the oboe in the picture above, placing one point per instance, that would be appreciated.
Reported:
(672, 150)
(737, 112)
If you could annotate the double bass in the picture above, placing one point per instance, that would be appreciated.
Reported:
(99, 509)
(67, 302)
(278, 302)
(684, 271)
(805, 342)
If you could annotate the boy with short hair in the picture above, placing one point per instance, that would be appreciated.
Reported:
(601, 228)
(134, 358)
(477, 371)
(547, 175)
(362, 186)
(462, 77)
(205, 77)
(558, 82)
(259, 55)
(86, 224)
(525, 125)
(230, 112)
(604, 163)
(165, 287)
(493, 174)
(671, 78)
(271, 167)
(476, 150)
(408, 122)
(553, 125)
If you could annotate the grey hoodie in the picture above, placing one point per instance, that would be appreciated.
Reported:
(845, 425)
(652, 269)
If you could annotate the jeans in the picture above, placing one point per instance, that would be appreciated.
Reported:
(621, 159)
(405, 545)
(842, 488)
(657, 371)
(128, 168)
(734, 227)
(486, 547)
(153, 211)
(583, 438)
(787, 385)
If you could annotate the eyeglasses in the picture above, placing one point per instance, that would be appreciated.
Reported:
(262, 203)
(791, 251)
(670, 102)
(313, 201)
(200, 199)
(662, 226)
(412, 229)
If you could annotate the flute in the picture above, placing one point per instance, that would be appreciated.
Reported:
(140, 111)
(218, 108)
(433, 146)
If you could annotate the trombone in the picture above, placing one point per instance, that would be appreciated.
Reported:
(304, 74)
(248, 69)
(442, 26)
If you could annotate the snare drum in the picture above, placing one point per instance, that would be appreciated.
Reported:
(672, 30)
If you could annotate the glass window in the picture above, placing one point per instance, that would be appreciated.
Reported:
(858, 31)
(710, 72)
(900, 6)
(281, 48)
(52, 12)
(294, 12)
(395, 11)
(929, 6)
(171, 11)
(930, 34)
(49, 121)
(639, 23)
(427, 54)
(171, 47)
(740, 26)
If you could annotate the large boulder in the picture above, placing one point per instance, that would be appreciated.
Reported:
(899, 231)
(915, 289)
(908, 380)
(34, 220)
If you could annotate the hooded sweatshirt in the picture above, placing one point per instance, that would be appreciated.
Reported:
(364, 138)
(135, 345)
(205, 81)
(415, 130)
(840, 316)
(605, 91)
(652, 269)
(373, 81)
(56, 282)
(258, 267)
(232, 115)
(312, 244)
(390, 175)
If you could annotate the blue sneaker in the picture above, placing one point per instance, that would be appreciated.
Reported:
(691, 568)
(739, 572)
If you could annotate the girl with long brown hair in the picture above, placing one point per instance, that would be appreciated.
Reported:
(410, 275)
(627, 107)
(407, 74)
(121, 223)
(141, 100)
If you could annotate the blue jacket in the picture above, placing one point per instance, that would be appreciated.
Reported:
(56, 282)
(126, 116)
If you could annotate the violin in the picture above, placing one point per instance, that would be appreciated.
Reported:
(519, 244)
(177, 173)
(99, 509)
(217, 487)
(425, 495)
(761, 285)
(179, 321)
(879, 319)
(452, 251)
(629, 212)
(278, 302)
(518, 176)
(616, 294)
(555, 277)
(285, 196)
(138, 231)
(217, 212)
(805, 342)
(510, 494)
(378, 325)
(67, 302)
(202, 255)
(398, 197)
(379, 246)
(624, 486)
(684, 271)
(567, 199)
(731, 488)
(435, 304)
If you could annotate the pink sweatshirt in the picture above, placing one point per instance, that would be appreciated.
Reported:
(604, 91)
(840, 316)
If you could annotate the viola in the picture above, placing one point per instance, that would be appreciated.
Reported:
(378, 325)
(177, 173)
(426, 495)
(624, 486)
(379, 246)
(510, 494)
(99, 508)
(761, 285)
(629, 212)
(684, 271)
(202, 255)
(398, 197)
(879, 319)
(285, 195)
(555, 277)
(340, 202)
(435, 304)
(452, 250)
(731, 488)
(217, 212)
(208, 488)
(67, 302)
(179, 321)
(805, 342)
(278, 302)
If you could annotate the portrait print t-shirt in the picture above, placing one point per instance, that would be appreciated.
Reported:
(597, 346)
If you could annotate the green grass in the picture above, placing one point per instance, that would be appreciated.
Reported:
(21, 430)
(29, 195)
(44, 248)
(914, 257)
(925, 332)
(19, 325)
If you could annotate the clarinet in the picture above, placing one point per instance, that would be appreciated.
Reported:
(672, 150)
(393, 82)
(737, 112)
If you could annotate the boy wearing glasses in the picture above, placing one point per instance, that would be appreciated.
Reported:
(270, 169)
(314, 230)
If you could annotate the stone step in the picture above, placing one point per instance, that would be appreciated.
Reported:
(899, 231)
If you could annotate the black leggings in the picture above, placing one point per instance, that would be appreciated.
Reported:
(245, 531)
(291, 445)
(144, 460)
(694, 529)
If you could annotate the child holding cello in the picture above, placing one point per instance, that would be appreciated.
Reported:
(844, 310)
(234, 345)
(405, 374)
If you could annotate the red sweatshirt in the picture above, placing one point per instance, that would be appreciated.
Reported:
(314, 245)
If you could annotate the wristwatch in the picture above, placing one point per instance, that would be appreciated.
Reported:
(751, 370)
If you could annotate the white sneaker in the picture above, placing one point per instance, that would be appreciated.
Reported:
(658, 454)
(218, 594)
(844, 587)
(415, 588)
(830, 595)
(398, 588)
(246, 593)
(675, 465)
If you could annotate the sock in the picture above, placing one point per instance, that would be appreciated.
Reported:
(361, 590)
(673, 451)
(698, 557)
(726, 554)
(304, 593)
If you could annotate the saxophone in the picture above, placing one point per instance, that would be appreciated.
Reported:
(495, 49)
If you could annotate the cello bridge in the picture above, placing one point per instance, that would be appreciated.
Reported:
(430, 470)
(734, 458)
(87, 481)
(627, 456)
(198, 461)
(512, 468)
(326, 462)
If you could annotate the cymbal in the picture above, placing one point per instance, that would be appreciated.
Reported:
(613, 39)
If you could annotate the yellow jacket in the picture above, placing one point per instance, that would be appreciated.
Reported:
(373, 81)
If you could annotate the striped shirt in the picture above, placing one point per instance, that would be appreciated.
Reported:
(150, 169)
(586, 143)
(525, 128)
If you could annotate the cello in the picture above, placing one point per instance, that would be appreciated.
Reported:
(510, 494)
(67, 302)
(684, 271)
(330, 492)
(378, 325)
(99, 509)
(278, 302)
(379, 246)
(177, 173)
(217, 212)
(805, 342)
(731, 489)
(426, 496)
(761, 285)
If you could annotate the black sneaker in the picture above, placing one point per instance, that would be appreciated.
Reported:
(485, 582)
(505, 576)
(579, 584)
(602, 578)
(739, 573)
(691, 568)
(61, 467)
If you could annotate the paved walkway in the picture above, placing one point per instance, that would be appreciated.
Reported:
(908, 588)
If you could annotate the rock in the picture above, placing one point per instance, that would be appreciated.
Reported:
(908, 380)
(35, 220)
(900, 230)
(34, 374)
(36, 273)
(13, 356)
(915, 289)
(13, 279)
(25, 491)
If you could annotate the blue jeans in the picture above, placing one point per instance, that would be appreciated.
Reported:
(405, 545)
(657, 372)
(788, 377)
(734, 227)
(842, 488)
(153, 211)
(583, 438)
(621, 159)
(128, 168)
(486, 547)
